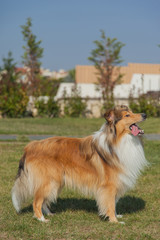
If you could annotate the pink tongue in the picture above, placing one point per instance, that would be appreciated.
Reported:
(135, 130)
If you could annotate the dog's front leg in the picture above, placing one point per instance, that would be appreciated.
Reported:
(106, 201)
(111, 210)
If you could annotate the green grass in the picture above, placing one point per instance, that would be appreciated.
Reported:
(76, 216)
(151, 125)
(51, 126)
(63, 126)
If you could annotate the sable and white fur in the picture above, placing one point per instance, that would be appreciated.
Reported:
(104, 165)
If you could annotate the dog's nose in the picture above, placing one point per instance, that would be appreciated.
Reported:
(144, 116)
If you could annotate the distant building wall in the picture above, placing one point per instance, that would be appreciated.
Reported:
(86, 74)
(89, 74)
(92, 93)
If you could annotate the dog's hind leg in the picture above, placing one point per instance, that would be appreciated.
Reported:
(46, 210)
(40, 196)
(46, 193)
(37, 205)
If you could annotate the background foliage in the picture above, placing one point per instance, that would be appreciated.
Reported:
(146, 103)
(49, 108)
(74, 106)
(106, 58)
(31, 57)
(13, 96)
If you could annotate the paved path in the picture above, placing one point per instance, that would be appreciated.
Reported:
(152, 136)
(4, 137)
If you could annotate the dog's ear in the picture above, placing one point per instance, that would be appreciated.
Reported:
(109, 116)
(113, 116)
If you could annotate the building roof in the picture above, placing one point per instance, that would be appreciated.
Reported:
(21, 70)
(88, 74)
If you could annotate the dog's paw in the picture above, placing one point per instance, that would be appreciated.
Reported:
(42, 219)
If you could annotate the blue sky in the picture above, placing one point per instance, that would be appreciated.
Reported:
(68, 28)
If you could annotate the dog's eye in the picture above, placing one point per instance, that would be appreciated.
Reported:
(127, 115)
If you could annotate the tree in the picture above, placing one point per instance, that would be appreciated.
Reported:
(32, 55)
(106, 58)
(72, 74)
(8, 69)
(13, 97)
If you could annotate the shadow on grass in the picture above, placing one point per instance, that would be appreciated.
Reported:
(74, 204)
(130, 204)
(125, 205)
(27, 209)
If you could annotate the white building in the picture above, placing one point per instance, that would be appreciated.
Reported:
(139, 84)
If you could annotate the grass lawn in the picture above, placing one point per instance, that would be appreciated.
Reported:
(76, 216)
(63, 126)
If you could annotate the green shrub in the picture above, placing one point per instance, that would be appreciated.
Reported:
(53, 108)
(74, 106)
(146, 103)
(42, 107)
(13, 97)
(49, 108)
(13, 102)
(48, 87)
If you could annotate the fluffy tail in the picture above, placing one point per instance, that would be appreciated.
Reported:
(20, 190)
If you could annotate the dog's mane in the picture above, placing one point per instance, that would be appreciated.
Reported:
(103, 142)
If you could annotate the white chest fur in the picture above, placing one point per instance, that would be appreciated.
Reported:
(131, 155)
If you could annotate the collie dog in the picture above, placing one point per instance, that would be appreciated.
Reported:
(105, 165)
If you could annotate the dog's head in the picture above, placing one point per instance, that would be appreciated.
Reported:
(124, 120)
